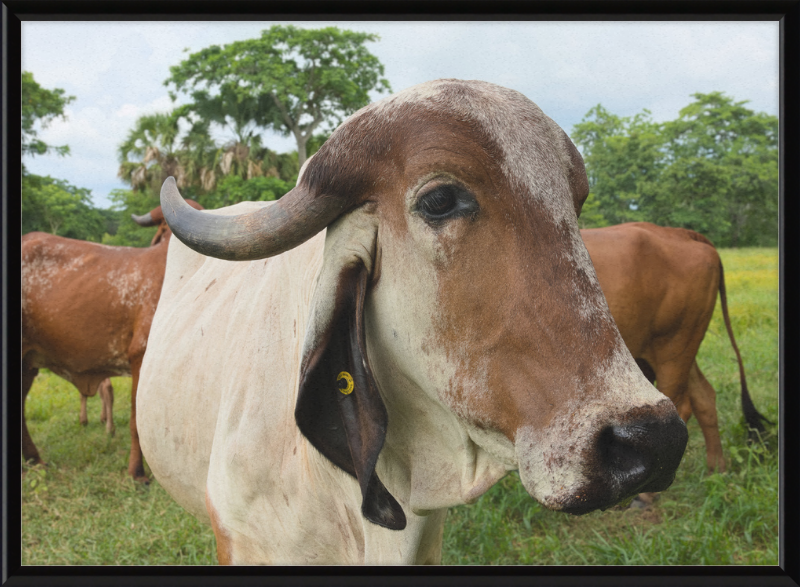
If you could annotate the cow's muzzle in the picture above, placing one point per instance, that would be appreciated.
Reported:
(635, 457)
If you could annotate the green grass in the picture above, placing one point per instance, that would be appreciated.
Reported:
(84, 509)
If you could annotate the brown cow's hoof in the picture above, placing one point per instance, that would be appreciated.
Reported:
(30, 464)
(643, 501)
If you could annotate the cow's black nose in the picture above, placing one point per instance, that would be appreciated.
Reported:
(642, 456)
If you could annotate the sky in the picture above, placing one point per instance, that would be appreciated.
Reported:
(116, 71)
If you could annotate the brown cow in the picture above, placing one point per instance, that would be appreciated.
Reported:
(661, 285)
(86, 314)
(153, 218)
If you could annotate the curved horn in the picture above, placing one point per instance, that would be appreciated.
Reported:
(290, 221)
(144, 220)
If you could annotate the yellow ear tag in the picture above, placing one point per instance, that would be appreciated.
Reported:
(348, 380)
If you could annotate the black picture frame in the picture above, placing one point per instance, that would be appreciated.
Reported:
(785, 12)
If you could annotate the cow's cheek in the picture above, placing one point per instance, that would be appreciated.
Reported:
(401, 308)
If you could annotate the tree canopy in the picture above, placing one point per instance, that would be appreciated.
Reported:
(48, 204)
(299, 82)
(56, 206)
(714, 169)
(42, 106)
(291, 79)
(149, 153)
(158, 147)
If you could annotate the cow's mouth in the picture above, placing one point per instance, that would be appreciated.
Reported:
(629, 459)
(589, 462)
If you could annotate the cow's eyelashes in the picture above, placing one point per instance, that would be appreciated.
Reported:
(438, 202)
(444, 202)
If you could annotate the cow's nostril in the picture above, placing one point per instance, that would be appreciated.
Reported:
(620, 450)
(643, 456)
(637, 455)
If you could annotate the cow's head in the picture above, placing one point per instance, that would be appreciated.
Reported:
(453, 255)
(155, 217)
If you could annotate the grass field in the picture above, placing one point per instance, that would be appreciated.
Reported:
(84, 509)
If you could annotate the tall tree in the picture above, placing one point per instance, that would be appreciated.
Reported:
(40, 107)
(199, 154)
(714, 170)
(233, 189)
(290, 79)
(233, 110)
(149, 153)
(180, 144)
(620, 153)
(48, 204)
(720, 174)
(56, 206)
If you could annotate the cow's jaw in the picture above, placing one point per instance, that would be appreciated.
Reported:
(432, 458)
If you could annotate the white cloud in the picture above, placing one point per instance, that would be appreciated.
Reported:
(96, 130)
(131, 112)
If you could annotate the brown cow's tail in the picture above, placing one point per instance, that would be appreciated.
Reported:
(755, 420)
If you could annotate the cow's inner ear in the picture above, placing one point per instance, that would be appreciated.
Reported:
(339, 409)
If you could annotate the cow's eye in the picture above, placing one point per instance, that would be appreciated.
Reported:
(444, 202)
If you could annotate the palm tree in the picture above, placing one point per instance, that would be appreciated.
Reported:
(150, 153)
(199, 154)
(179, 144)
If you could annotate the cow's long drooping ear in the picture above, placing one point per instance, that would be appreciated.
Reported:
(339, 408)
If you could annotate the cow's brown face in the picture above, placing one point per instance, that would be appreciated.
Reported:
(485, 297)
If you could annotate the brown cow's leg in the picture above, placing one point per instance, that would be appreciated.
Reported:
(672, 382)
(102, 390)
(135, 464)
(84, 418)
(643, 500)
(107, 397)
(28, 448)
(704, 405)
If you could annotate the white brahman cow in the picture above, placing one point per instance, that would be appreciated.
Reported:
(323, 396)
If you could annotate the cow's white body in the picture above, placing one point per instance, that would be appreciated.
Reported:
(484, 338)
(231, 335)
